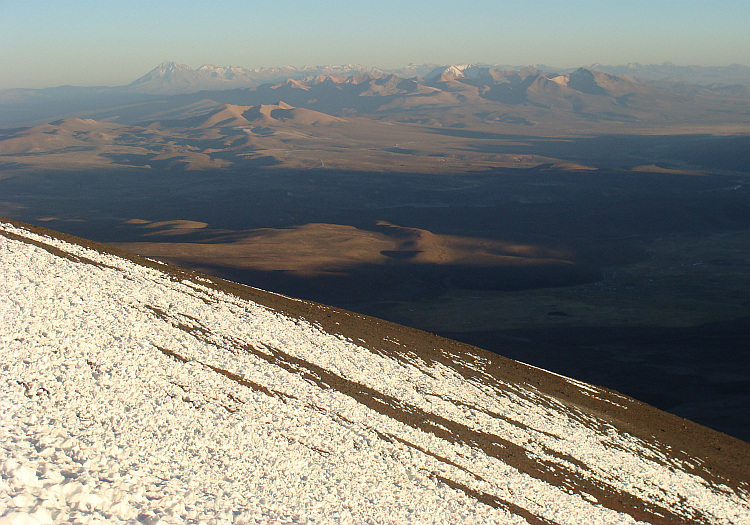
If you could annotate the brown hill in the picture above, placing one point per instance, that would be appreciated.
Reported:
(283, 113)
(62, 134)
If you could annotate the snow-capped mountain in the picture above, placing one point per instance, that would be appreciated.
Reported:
(171, 78)
(481, 73)
(592, 82)
(139, 391)
(446, 72)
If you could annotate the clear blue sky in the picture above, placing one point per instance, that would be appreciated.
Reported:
(111, 42)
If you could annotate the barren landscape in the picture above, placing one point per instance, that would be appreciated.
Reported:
(594, 225)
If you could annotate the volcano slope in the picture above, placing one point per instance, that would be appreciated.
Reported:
(135, 390)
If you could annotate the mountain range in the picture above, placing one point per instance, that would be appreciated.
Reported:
(174, 78)
(171, 78)
(136, 390)
(210, 118)
(350, 84)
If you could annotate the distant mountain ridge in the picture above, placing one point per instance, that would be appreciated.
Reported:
(171, 78)
(175, 78)
(342, 89)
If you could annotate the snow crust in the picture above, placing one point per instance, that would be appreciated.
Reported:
(129, 396)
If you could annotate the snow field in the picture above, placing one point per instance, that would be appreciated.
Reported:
(100, 423)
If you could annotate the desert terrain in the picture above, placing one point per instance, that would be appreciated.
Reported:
(588, 224)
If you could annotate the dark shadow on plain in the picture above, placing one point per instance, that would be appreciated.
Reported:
(366, 284)
(602, 218)
(625, 151)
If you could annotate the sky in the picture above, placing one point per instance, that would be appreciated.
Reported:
(45, 43)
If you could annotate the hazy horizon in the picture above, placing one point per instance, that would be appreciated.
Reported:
(88, 43)
(217, 63)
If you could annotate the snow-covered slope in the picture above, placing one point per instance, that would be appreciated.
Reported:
(137, 391)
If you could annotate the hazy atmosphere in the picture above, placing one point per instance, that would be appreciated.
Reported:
(48, 43)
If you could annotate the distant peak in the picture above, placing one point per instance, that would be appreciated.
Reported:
(445, 72)
(168, 67)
